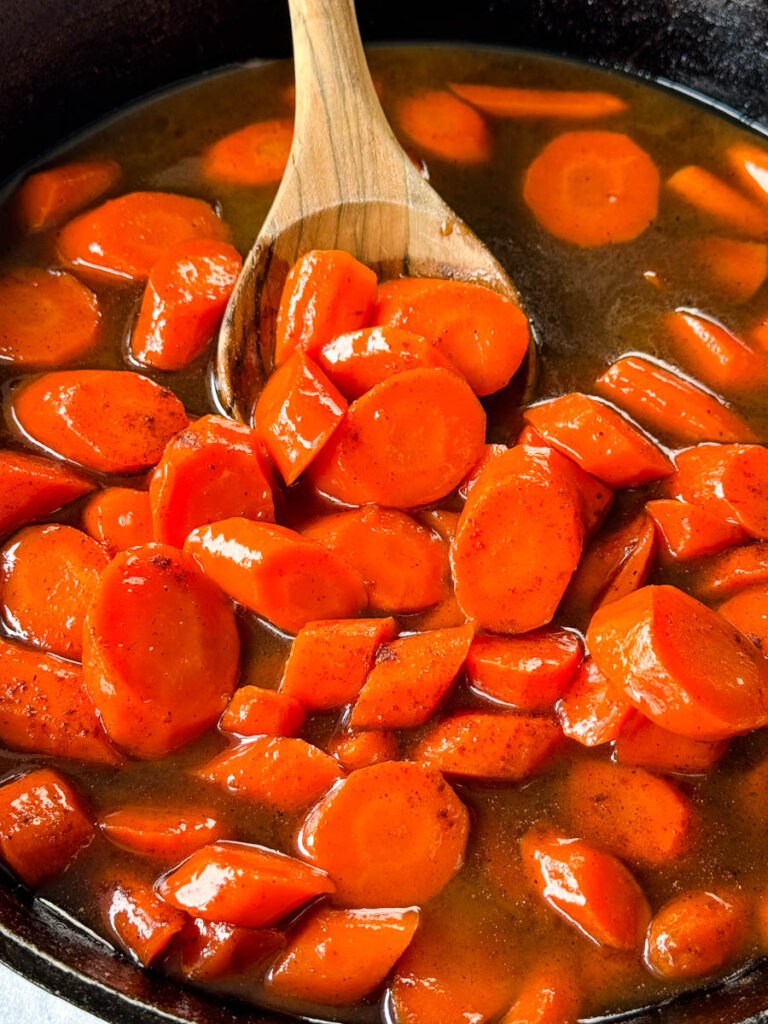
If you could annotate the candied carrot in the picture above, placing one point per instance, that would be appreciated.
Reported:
(690, 531)
(438, 122)
(592, 711)
(439, 521)
(141, 923)
(355, 749)
(729, 268)
(750, 166)
(549, 995)
(719, 202)
(644, 744)
(593, 188)
(507, 101)
(726, 480)
(398, 807)
(730, 571)
(490, 451)
(31, 486)
(716, 356)
(211, 950)
(47, 197)
(748, 612)
(254, 711)
(253, 155)
(160, 832)
(696, 933)
(119, 518)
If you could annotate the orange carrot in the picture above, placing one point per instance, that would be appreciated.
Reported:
(442, 125)
(404, 565)
(31, 486)
(593, 188)
(724, 205)
(439, 521)
(47, 318)
(210, 950)
(48, 197)
(596, 497)
(728, 268)
(254, 711)
(119, 518)
(397, 807)
(490, 452)
(550, 995)
(646, 745)
(411, 678)
(507, 101)
(276, 573)
(42, 825)
(592, 711)
(141, 923)
(725, 480)
(689, 531)
(750, 166)
(443, 615)
(160, 832)
(48, 576)
(355, 749)
(125, 237)
(336, 957)
(748, 612)
(696, 933)
(146, 648)
(408, 441)
(112, 421)
(713, 354)
(254, 155)
(731, 571)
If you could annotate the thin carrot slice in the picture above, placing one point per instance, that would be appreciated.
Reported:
(713, 354)
(326, 293)
(748, 612)
(530, 672)
(644, 744)
(48, 576)
(276, 573)
(141, 923)
(750, 165)
(729, 268)
(404, 565)
(125, 237)
(442, 125)
(669, 404)
(696, 934)
(43, 825)
(119, 518)
(727, 480)
(48, 197)
(163, 833)
(211, 950)
(408, 441)
(240, 884)
(47, 318)
(112, 421)
(31, 486)
(336, 957)
(593, 188)
(719, 202)
(731, 571)
(689, 531)
(330, 660)
(254, 155)
(411, 678)
(562, 104)
(550, 995)
(397, 807)
(355, 749)
(592, 712)
(146, 648)
(254, 711)
(490, 452)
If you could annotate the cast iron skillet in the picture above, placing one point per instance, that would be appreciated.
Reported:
(64, 63)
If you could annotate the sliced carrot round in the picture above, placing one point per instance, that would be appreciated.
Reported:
(441, 124)
(644, 744)
(139, 921)
(728, 480)
(31, 486)
(530, 672)
(690, 531)
(48, 197)
(748, 612)
(161, 832)
(508, 101)
(119, 518)
(592, 712)
(254, 155)
(695, 934)
(255, 711)
(355, 749)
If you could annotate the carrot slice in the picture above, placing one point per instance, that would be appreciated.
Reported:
(668, 403)
(718, 201)
(48, 576)
(530, 672)
(593, 188)
(689, 531)
(163, 833)
(47, 318)
(112, 421)
(355, 749)
(518, 541)
(507, 101)
(716, 356)
(254, 155)
(45, 708)
(402, 808)
(42, 825)
(404, 565)
(442, 125)
(240, 884)
(439, 521)
(210, 950)
(212, 470)
(119, 518)
(408, 441)
(644, 744)
(31, 486)
(750, 165)
(490, 452)
(141, 923)
(484, 335)
(254, 711)
(592, 711)
(550, 995)
(748, 612)
(411, 678)
(276, 573)
(696, 933)
(336, 957)
(729, 268)
(146, 648)
(731, 571)
(48, 197)
(727, 480)
(125, 237)
(296, 413)
(326, 293)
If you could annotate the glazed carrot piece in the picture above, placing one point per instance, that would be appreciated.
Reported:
(750, 166)
(408, 441)
(31, 486)
(146, 648)
(254, 155)
(718, 201)
(254, 711)
(119, 518)
(276, 573)
(490, 452)
(725, 480)
(483, 745)
(748, 612)
(729, 268)
(45, 708)
(43, 825)
(669, 404)
(411, 678)
(443, 615)
(398, 807)
(112, 421)
(330, 660)
(690, 531)
(48, 197)
(326, 293)
(280, 772)
(212, 470)
(593, 188)
(47, 318)
(48, 576)
(183, 303)
(210, 950)
(590, 889)
(644, 744)
(240, 884)
(599, 439)
(125, 237)
(336, 957)
(355, 749)
(439, 123)
(530, 672)
(507, 101)
(596, 497)
(549, 995)
(696, 934)
(296, 414)
(164, 833)
(528, 494)
(731, 571)
(592, 711)
(141, 922)
(404, 565)
(713, 354)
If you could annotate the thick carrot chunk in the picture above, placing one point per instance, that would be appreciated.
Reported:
(731, 571)
(690, 531)
(442, 125)
(729, 268)
(31, 486)
(728, 480)
(593, 711)
(562, 104)
(254, 155)
(355, 749)
(401, 808)
(254, 711)
(42, 825)
(713, 354)
(696, 933)
(164, 833)
(721, 203)
(147, 648)
(490, 452)
(748, 612)
(119, 518)
(644, 744)
(550, 995)
(750, 165)
(141, 923)
(212, 950)
(48, 197)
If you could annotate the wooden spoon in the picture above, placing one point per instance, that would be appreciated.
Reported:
(348, 185)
